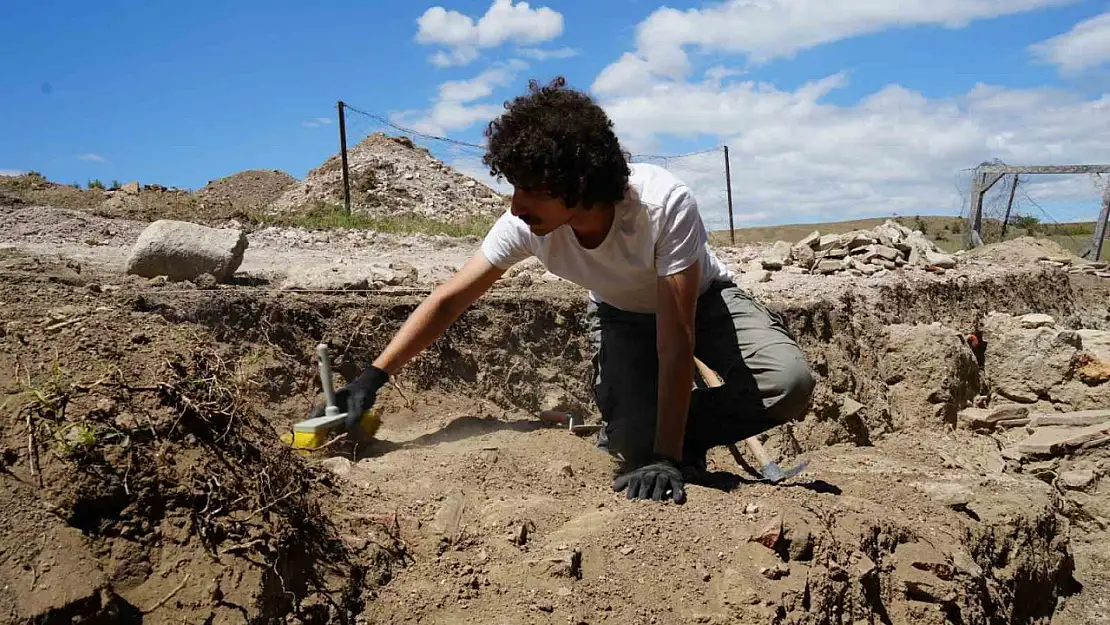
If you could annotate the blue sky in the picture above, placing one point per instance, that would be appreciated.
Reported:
(831, 108)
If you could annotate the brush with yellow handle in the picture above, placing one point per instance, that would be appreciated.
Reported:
(349, 410)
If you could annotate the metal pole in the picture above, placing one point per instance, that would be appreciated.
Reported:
(1009, 205)
(728, 185)
(1100, 228)
(343, 156)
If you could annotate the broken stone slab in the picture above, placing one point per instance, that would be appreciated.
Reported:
(828, 242)
(850, 407)
(328, 278)
(989, 418)
(804, 256)
(829, 265)
(1096, 343)
(885, 252)
(777, 256)
(1037, 320)
(837, 252)
(181, 250)
(937, 259)
(857, 238)
(811, 240)
(1081, 418)
(1054, 441)
(1077, 480)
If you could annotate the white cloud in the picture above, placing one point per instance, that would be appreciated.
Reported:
(456, 105)
(1084, 46)
(95, 158)
(504, 21)
(316, 122)
(767, 29)
(11, 172)
(539, 54)
(798, 158)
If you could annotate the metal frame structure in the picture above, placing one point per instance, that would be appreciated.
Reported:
(986, 176)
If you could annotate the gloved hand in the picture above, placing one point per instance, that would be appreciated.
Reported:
(356, 398)
(653, 480)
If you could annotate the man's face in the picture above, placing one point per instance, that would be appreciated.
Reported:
(542, 213)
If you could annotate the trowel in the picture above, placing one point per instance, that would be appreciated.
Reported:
(769, 470)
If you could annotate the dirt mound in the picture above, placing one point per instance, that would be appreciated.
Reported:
(143, 483)
(1021, 250)
(244, 193)
(391, 176)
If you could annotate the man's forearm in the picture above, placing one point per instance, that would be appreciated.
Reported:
(430, 319)
(676, 375)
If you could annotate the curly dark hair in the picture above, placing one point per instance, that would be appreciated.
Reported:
(558, 141)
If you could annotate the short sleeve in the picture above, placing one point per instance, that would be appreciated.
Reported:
(508, 242)
(682, 237)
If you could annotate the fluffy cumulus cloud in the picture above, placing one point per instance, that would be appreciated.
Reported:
(505, 21)
(795, 157)
(458, 102)
(1085, 46)
(766, 29)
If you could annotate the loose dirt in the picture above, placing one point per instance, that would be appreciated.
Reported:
(144, 480)
(244, 193)
(391, 176)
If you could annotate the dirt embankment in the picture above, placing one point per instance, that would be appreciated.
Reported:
(166, 406)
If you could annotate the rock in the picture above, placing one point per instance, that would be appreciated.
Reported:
(837, 252)
(183, 251)
(936, 259)
(1037, 320)
(1052, 441)
(1096, 343)
(626, 551)
(131, 188)
(778, 571)
(932, 374)
(337, 465)
(328, 278)
(567, 565)
(1077, 480)
(828, 266)
(778, 256)
(885, 252)
(1026, 365)
(763, 276)
(863, 565)
(850, 407)
(1074, 419)
(449, 518)
(828, 242)
(521, 532)
(771, 533)
(989, 418)
(804, 256)
(811, 240)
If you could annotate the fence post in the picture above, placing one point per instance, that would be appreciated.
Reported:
(1009, 205)
(728, 185)
(343, 156)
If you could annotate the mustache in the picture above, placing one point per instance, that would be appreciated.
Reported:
(528, 219)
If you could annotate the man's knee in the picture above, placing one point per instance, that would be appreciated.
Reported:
(789, 386)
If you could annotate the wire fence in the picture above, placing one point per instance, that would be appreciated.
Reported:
(1015, 207)
(703, 170)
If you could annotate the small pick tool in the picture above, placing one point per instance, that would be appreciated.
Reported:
(313, 433)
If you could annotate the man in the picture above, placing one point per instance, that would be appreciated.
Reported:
(632, 236)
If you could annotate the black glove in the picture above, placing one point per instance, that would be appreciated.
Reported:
(652, 481)
(357, 397)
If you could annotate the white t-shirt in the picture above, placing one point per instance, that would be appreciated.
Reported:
(657, 231)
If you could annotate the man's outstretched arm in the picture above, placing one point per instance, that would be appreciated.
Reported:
(678, 294)
(438, 311)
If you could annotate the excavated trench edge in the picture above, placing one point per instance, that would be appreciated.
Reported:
(515, 349)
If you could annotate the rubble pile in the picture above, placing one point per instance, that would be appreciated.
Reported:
(874, 252)
(391, 176)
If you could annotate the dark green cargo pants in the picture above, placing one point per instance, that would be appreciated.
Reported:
(767, 381)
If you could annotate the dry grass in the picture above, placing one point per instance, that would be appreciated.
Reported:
(325, 216)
